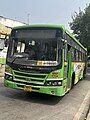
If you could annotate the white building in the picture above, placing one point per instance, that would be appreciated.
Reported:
(10, 23)
(6, 25)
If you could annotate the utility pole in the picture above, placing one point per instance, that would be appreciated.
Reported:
(28, 18)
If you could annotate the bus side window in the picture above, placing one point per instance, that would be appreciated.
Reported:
(77, 55)
(80, 57)
(83, 56)
(74, 54)
(68, 50)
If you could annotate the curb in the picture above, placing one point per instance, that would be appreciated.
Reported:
(84, 108)
(88, 116)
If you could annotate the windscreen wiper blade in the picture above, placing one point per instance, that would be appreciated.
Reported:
(19, 56)
(15, 59)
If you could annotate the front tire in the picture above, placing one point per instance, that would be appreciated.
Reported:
(73, 80)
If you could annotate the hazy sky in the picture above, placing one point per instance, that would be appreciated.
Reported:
(41, 11)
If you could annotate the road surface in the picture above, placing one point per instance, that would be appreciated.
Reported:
(19, 105)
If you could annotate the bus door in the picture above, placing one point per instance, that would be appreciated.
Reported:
(67, 66)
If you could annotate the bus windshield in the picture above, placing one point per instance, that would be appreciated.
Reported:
(36, 45)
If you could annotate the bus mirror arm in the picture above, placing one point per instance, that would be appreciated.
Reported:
(64, 42)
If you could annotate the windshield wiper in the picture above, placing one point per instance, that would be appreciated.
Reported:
(20, 56)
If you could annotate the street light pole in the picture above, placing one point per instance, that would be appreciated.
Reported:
(28, 15)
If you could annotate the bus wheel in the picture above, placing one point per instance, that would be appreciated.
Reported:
(84, 73)
(73, 80)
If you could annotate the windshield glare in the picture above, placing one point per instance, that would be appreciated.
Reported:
(35, 49)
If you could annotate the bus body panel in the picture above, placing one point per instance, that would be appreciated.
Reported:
(78, 69)
(51, 90)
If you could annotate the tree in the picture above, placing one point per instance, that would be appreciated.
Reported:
(81, 26)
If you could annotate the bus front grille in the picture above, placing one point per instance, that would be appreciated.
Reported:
(29, 77)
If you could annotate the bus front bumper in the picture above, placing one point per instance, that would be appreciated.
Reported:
(51, 90)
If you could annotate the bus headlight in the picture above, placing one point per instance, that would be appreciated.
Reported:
(8, 76)
(53, 83)
(8, 73)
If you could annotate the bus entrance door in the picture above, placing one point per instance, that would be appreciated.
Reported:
(67, 67)
(69, 61)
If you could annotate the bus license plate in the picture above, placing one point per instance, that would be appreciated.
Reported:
(28, 88)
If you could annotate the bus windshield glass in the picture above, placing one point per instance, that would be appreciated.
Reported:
(37, 45)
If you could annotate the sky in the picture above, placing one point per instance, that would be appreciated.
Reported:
(42, 11)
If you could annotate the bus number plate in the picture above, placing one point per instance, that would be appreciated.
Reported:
(28, 88)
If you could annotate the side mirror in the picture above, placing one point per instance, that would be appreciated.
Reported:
(64, 41)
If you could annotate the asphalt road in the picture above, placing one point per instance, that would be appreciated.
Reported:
(19, 105)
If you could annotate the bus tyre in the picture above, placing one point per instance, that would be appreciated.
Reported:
(84, 73)
(73, 80)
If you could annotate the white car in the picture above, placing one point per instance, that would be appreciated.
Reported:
(3, 54)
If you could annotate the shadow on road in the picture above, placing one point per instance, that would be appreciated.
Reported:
(88, 74)
(31, 97)
(28, 97)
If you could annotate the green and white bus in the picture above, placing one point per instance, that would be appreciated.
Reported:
(44, 58)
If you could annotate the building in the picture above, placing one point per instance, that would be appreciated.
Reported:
(5, 29)
(10, 23)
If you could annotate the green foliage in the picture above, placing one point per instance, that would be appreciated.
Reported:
(81, 26)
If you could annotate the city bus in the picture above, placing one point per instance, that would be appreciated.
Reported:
(44, 58)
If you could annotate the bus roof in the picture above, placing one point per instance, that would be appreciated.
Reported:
(52, 26)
